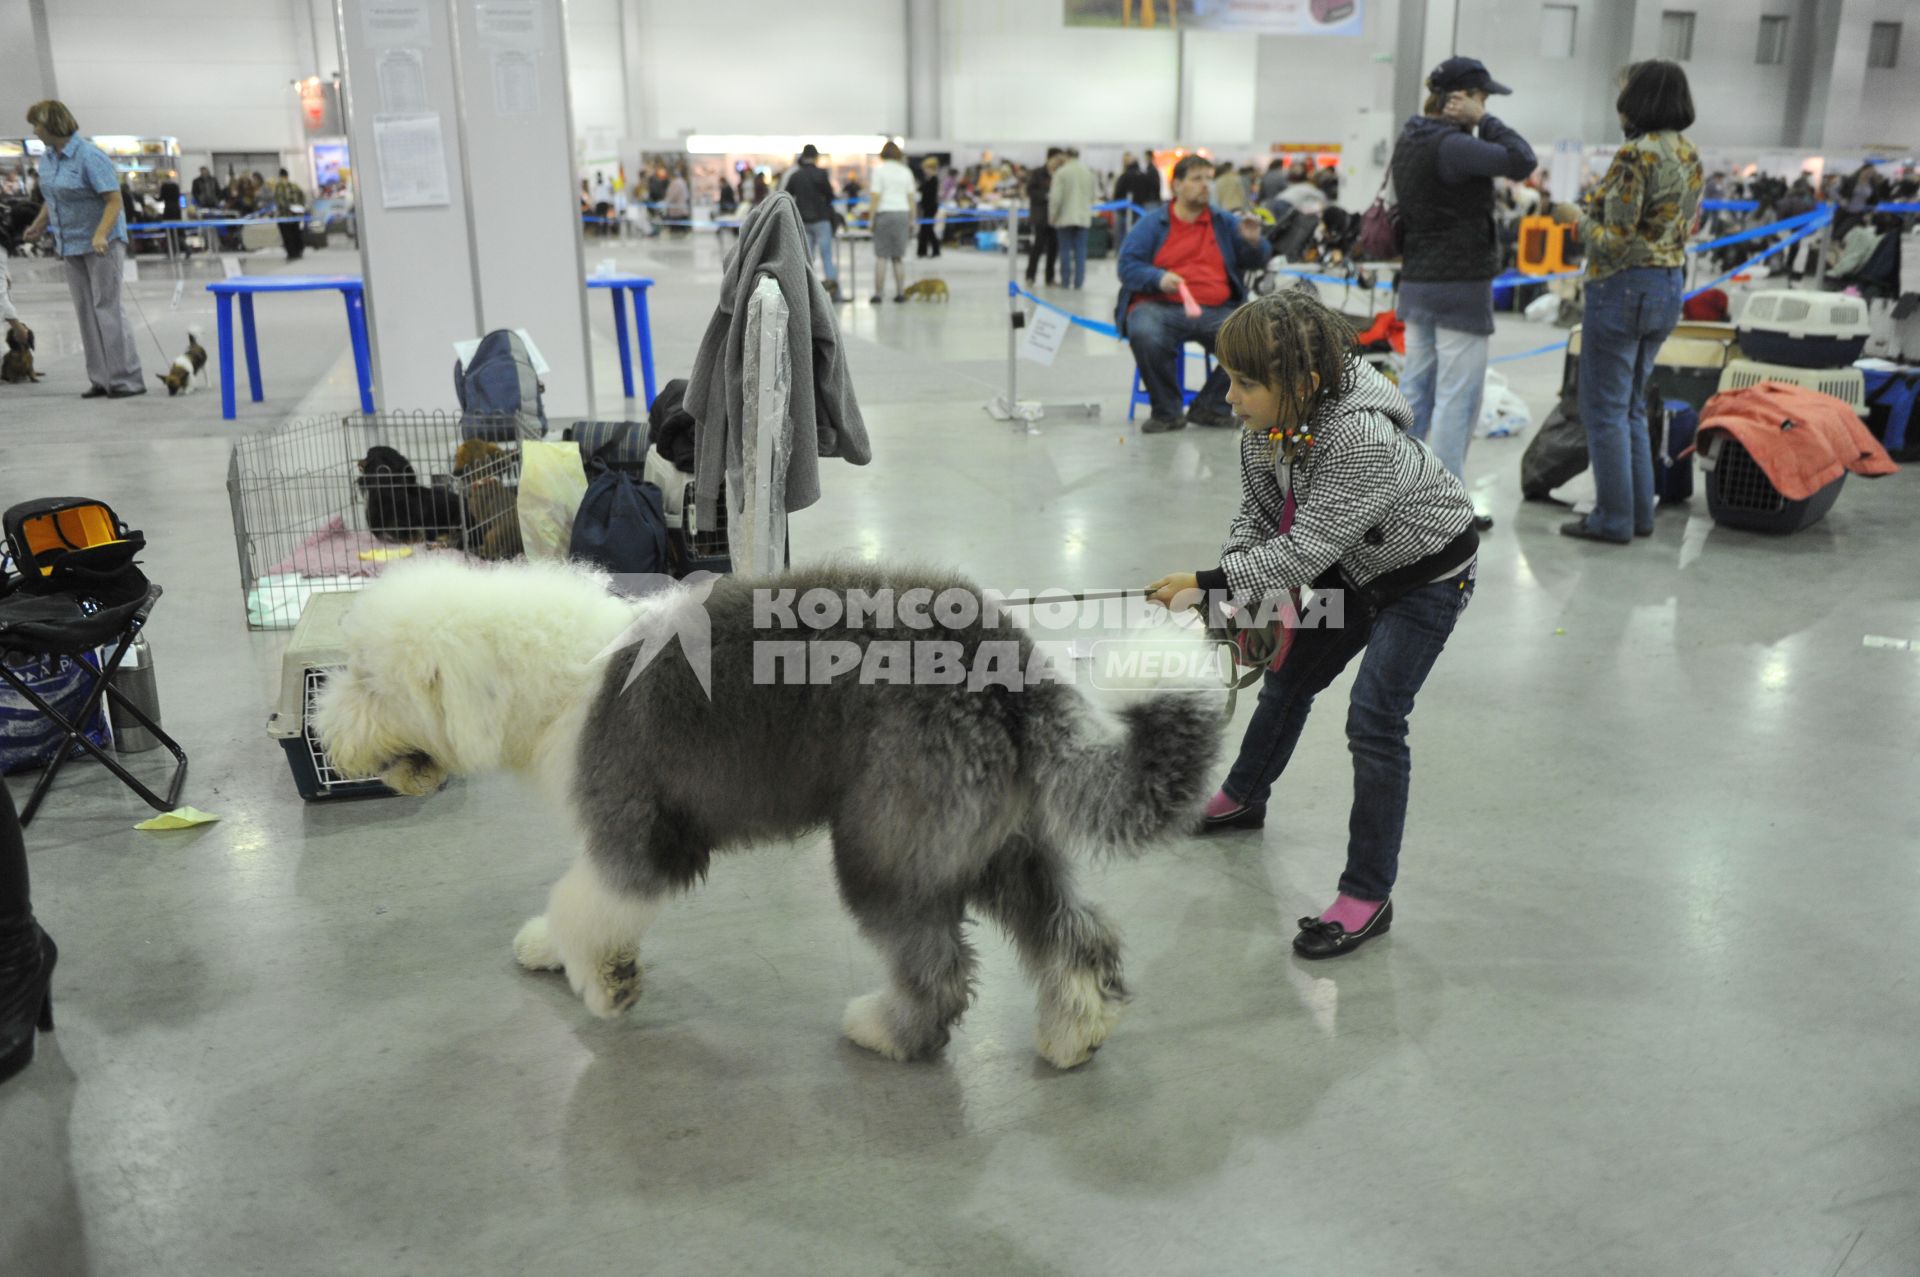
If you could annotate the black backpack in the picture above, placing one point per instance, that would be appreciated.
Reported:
(621, 525)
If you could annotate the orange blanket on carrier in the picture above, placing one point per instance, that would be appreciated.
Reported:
(1801, 438)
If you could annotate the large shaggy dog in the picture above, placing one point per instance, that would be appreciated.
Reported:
(940, 797)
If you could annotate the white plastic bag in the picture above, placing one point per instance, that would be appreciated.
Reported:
(1502, 412)
(1544, 309)
(552, 483)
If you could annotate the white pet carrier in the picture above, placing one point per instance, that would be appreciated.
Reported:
(1804, 329)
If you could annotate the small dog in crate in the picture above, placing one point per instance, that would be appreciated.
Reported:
(400, 507)
(926, 290)
(178, 378)
(493, 517)
(657, 727)
(17, 364)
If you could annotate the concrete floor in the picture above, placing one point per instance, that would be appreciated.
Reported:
(1648, 1006)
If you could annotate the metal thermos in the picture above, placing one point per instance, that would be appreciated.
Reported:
(135, 682)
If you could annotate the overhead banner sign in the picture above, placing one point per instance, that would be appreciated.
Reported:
(1254, 17)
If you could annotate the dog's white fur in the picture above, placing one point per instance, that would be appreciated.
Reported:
(433, 674)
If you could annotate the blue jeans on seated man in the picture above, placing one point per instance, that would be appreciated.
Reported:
(1444, 381)
(1628, 317)
(1401, 643)
(1159, 333)
(1073, 256)
(820, 240)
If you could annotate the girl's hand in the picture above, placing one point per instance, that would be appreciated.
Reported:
(1168, 589)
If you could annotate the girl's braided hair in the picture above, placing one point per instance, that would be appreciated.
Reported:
(1284, 338)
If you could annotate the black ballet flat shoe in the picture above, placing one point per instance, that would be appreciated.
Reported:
(97, 392)
(1238, 818)
(1319, 938)
(26, 1003)
(1579, 530)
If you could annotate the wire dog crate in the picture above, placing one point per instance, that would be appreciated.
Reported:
(323, 505)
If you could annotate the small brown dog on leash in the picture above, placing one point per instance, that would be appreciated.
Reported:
(18, 363)
(178, 377)
(927, 290)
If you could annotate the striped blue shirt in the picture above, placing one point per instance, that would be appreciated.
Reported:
(76, 181)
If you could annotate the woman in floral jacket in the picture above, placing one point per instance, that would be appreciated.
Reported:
(1635, 225)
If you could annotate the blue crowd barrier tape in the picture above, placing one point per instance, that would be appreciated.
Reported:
(1759, 232)
(1078, 321)
(1820, 222)
(1729, 206)
(1896, 208)
(1512, 278)
(1337, 281)
(1806, 225)
(1529, 354)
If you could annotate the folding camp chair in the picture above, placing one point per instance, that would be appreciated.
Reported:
(62, 625)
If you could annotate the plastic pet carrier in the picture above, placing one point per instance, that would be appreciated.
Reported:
(1739, 494)
(694, 549)
(1691, 364)
(315, 650)
(1804, 330)
(1846, 384)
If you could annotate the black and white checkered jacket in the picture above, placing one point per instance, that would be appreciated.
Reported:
(1368, 499)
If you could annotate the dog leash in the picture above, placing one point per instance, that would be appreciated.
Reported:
(128, 294)
(1237, 682)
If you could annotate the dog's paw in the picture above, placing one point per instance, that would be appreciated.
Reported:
(1076, 1017)
(533, 947)
(866, 1025)
(615, 984)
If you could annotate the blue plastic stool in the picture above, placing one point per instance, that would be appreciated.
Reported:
(1140, 395)
(620, 286)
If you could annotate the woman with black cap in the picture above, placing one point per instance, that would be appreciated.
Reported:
(1443, 170)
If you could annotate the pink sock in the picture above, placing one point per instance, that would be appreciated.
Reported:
(1351, 913)
(1220, 805)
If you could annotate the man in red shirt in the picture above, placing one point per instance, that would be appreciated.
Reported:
(1189, 243)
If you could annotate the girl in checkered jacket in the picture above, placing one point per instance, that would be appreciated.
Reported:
(1338, 499)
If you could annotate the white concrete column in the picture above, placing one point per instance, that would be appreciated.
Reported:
(923, 69)
(26, 55)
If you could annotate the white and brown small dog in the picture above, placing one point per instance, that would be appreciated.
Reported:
(178, 379)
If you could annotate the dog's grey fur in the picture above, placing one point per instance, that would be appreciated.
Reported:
(937, 797)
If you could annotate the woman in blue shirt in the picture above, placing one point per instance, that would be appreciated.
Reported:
(90, 234)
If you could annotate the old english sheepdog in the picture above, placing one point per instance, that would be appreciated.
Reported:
(940, 794)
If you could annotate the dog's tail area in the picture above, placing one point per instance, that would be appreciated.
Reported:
(1102, 789)
(195, 335)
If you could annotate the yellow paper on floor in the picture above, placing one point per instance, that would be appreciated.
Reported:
(179, 818)
(383, 555)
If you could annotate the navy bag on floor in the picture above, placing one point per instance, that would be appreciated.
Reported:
(621, 525)
(1673, 473)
